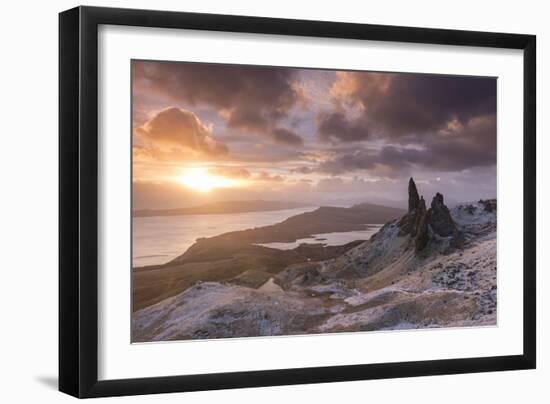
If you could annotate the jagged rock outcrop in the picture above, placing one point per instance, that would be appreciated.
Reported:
(408, 223)
(440, 217)
(423, 225)
(442, 222)
(421, 231)
(414, 199)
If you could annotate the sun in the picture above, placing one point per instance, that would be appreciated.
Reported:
(199, 179)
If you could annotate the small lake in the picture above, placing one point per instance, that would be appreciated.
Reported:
(328, 239)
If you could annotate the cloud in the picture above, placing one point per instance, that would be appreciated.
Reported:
(395, 105)
(461, 147)
(302, 170)
(287, 136)
(267, 177)
(360, 159)
(175, 133)
(418, 121)
(336, 125)
(380, 125)
(230, 172)
(250, 98)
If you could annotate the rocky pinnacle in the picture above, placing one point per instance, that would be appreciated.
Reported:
(423, 224)
(414, 199)
(441, 221)
(422, 235)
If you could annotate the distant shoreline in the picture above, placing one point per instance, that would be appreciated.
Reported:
(226, 207)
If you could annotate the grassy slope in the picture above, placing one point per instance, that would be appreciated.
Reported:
(234, 257)
(251, 267)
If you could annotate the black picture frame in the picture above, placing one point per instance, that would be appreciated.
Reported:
(78, 201)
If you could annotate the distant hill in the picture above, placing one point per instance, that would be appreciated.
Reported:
(222, 207)
(326, 219)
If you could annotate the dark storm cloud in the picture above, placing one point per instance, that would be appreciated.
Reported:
(473, 145)
(435, 122)
(361, 159)
(396, 105)
(253, 99)
(337, 125)
(283, 135)
(416, 104)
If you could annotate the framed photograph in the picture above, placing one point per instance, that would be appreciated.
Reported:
(251, 201)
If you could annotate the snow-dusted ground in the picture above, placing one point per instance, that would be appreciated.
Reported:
(379, 285)
(216, 310)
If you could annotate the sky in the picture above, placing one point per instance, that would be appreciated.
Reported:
(208, 132)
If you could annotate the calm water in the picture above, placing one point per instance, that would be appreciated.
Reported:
(157, 240)
(336, 238)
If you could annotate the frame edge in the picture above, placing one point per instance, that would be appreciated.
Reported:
(69, 80)
(530, 202)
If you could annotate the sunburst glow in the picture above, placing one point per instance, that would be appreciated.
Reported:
(199, 179)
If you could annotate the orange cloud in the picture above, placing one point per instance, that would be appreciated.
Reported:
(175, 132)
(253, 99)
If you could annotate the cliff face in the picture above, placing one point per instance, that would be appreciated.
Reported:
(433, 267)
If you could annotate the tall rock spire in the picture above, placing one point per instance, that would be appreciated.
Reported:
(422, 224)
(421, 235)
(414, 199)
(441, 221)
